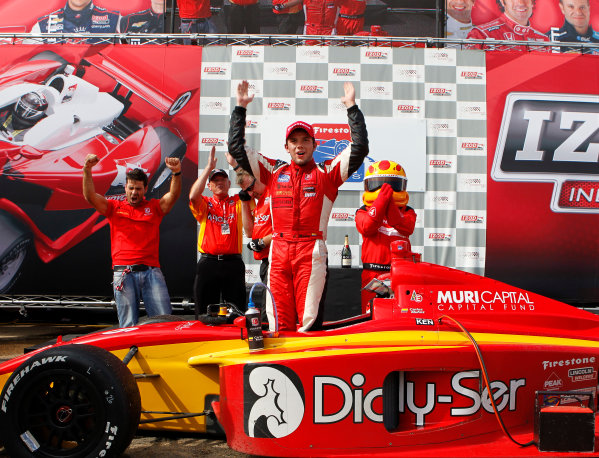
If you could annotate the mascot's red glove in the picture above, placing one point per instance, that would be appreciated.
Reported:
(394, 215)
(379, 207)
(403, 220)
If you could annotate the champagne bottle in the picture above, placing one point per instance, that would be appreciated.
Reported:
(346, 254)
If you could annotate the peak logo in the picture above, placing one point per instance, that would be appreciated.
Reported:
(553, 138)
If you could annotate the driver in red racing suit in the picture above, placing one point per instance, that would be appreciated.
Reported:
(321, 16)
(351, 17)
(512, 25)
(384, 218)
(302, 195)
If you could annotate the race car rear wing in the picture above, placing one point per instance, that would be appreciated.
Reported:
(147, 92)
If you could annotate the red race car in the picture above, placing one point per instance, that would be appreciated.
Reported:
(447, 363)
(52, 114)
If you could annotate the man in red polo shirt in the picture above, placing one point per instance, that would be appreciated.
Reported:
(220, 272)
(134, 238)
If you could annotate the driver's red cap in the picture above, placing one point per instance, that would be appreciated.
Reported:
(300, 125)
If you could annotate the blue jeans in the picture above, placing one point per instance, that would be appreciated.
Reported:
(149, 286)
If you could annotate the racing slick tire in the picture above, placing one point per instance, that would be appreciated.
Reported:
(69, 401)
(14, 244)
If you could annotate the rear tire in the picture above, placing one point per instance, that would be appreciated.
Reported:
(71, 401)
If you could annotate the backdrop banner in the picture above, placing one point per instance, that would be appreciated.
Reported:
(543, 192)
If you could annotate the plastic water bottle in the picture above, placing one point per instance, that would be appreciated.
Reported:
(253, 325)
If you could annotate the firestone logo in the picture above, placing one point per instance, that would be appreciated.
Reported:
(576, 361)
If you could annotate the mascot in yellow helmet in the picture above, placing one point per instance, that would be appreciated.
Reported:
(384, 218)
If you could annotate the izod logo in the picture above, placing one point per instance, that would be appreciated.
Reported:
(553, 138)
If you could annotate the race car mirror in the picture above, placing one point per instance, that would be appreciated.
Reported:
(382, 288)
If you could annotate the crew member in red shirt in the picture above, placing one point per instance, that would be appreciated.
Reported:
(351, 17)
(512, 25)
(289, 14)
(244, 16)
(302, 194)
(257, 223)
(220, 272)
(134, 238)
(195, 17)
(384, 218)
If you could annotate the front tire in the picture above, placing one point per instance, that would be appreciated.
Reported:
(70, 401)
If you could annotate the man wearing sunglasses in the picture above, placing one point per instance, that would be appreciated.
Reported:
(384, 218)
(302, 195)
(257, 223)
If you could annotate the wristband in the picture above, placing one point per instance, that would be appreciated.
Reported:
(177, 174)
(236, 167)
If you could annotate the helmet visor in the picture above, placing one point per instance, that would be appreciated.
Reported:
(397, 183)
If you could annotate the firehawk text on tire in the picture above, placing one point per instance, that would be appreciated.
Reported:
(69, 401)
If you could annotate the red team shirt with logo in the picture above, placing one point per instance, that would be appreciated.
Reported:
(220, 225)
(262, 223)
(134, 232)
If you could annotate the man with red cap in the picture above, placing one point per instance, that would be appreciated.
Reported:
(220, 272)
(302, 195)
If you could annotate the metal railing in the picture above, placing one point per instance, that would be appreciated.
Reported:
(292, 40)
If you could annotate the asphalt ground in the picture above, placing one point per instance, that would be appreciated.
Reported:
(17, 334)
